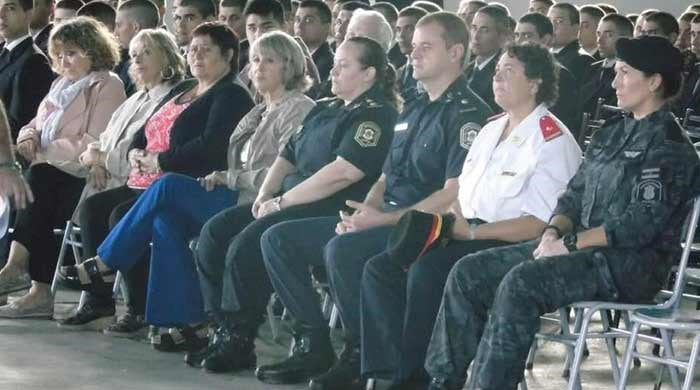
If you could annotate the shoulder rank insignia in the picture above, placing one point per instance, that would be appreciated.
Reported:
(467, 134)
(368, 134)
(550, 129)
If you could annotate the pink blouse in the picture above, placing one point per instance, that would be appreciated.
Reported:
(157, 140)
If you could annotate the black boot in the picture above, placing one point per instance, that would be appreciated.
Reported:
(312, 355)
(232, 348)
(345, 373)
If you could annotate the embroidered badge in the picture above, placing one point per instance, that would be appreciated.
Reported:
(467, 134)
(401, 126)
(368, 134)
(549, 128)
(649, 190)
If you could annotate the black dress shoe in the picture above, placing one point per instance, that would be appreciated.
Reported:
(90, 315)
(312, 355)
(229, 351)
(344, 375)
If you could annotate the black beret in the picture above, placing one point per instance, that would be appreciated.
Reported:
(650, 54)
(416, 233)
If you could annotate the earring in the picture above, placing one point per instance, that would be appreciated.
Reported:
(170, 75)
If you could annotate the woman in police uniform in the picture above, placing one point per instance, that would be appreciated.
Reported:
(336, 155)
(613, 237)
(516, 167)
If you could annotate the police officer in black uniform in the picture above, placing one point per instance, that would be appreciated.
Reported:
(420, 172)
(335, 156)
(613, 237)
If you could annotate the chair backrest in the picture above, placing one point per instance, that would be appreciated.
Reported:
(691, 224)
(691, 124)
(595, 121)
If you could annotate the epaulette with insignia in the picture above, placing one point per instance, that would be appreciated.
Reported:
(494, 117)
(549, 128)
(371, 103)
(328, 101)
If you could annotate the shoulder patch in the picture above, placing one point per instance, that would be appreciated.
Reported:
(368, 134)
(494, 117)
(467, 134)
(549, 128)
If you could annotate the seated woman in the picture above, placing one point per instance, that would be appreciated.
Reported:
(613, 235)
(156, 67)
(73, 114)
(187, 135)
(175, 207)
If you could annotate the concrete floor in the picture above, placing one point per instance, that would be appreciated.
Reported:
(36, 354)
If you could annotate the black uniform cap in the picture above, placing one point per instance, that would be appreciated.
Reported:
(650, 54)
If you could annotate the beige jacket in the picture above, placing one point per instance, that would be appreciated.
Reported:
(82, 122)
(258, 139)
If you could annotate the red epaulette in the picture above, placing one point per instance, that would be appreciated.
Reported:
(494, 117)
(550, 129)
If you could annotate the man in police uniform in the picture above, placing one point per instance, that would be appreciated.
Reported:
(613, 237)
(420, 172)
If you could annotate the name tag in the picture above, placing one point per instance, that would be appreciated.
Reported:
(401, 126)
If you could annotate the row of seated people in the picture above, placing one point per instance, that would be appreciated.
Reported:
(334, 156)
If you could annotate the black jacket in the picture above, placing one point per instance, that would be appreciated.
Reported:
(122, 70)
(578, 64)
(687, 98)
(25, 78)
(481, 81)
(323, 59)
(567, 105)
(199, 137)
(599, 85)
(42, 39)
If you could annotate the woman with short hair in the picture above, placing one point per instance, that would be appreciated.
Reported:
(73, 114)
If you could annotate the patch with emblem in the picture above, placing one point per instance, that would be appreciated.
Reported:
(368, 134)
(549, 128)
(649, 190)
(468, 133)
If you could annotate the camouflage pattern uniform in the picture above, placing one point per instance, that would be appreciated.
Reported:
(636, 181)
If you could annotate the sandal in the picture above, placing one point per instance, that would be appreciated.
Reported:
(98, 279)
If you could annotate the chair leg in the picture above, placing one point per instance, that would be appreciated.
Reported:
(574, 377)
(61, 255)
(667, 340)
(610, 343)
(690, 373)
(531, 355)
(629, 356)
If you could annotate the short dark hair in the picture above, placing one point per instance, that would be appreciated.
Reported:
(206, 8)
(456, 31)
(287, 7)
(353, 5)
(624, 26)
(265, 8)
(592, 10)
(666, 22)
(428, 6)
(542, 23)
(412, 12)
(688, 17)
(608, 8)
(648, 12)
(499, 16)
(389, 10)
(694, 7)
(233, 3)
(222, 36)
(101, 11)
(26, 4)
(479, 3)
(499, 5)
(696, 19)
(539, 64)
(323, 11)
(145, 12)
(70, 4)
(549, 3)
(571, 10)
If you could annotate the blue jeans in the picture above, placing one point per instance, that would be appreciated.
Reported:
(168, 214)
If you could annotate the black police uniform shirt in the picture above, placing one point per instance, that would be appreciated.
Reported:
(360, 133)
(635, 182)
(431, 140)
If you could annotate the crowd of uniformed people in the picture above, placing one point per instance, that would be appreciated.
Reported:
(430, 170)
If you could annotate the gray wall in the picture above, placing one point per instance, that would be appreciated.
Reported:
(676, 7)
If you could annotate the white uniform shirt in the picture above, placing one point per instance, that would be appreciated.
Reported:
(523, 175)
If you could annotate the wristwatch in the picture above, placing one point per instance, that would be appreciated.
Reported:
(570, 241)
